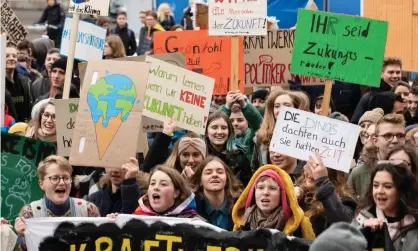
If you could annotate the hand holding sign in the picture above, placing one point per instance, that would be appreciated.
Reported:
(169, 126)
(131, 169)
(316, 169)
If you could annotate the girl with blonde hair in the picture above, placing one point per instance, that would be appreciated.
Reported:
(165, 16)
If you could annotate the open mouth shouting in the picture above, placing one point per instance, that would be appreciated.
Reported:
(156, 198)
(60, 192)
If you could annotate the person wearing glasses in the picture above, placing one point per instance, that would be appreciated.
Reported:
(54, 175)
(390, 133)
(43, 124)
(391, 202)
(407, 154)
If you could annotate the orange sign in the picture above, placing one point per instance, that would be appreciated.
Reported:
(207, 55)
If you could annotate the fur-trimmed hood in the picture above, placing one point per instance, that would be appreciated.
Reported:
(296, 220)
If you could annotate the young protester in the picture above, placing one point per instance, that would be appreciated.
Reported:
(121, 188)
(152, 26)
(54, 174)
(27, 64)
(392, 200)
(42, 86)
(57, 80)
(220, 141)
(41, 47)
(187, 19)
(275, 100)
(165, 16)
(324, 195)
(17, 85)
(104, 23)
(390, 133)
(168, 195)
(216, 189)
(317, 105)
(126, 35)
(413, 102)
(369, 118)
(245, 119)
(402, 88)
(43, 124)
(391, 74)
(258, 99)
(54, 17)
(305, 100)
(407, 154)
(142, 31)
(114, 48)
(188, 152)
(269, 201)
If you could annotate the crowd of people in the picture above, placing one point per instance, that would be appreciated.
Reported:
(228, 177)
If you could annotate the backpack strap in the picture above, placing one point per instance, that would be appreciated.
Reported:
(78, 207)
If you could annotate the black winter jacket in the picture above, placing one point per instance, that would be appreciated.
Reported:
(128, 39)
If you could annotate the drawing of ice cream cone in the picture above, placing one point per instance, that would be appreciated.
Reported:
(105, 135)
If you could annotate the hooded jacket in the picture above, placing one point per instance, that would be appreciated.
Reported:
(186, 209)
(297, 220)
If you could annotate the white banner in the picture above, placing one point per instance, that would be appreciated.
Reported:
(300, 134)
(232, 17)
(173, 91)
(89, 7)
(90, 42)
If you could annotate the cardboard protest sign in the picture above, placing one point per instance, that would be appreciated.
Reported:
(89, 7)
(300, 134)
(177, 59)
(402, 36)
(268, 58)
(109, 113)
(90, 42)
(131, 232)
(66, 114)
(201, 19)
(20, 157)
(204, 54)
(227, 18)
(176, 92)
(338, 47)
(10, 24)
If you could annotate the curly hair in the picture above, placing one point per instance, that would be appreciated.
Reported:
(391, 61)
(233, 187)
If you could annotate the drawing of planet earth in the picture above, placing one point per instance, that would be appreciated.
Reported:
(111, 100)
(80, 1)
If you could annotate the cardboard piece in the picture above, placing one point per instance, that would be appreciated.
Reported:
(20, 157)
(204, 54)
(201, 19)
(338, 47)
(233, 18)
(8, 238)
(89, 7)
(300, 134)
(402, 37)
(268, 58)
(176, 92)
(415, 10)
(90, 43)
(66, 114)
(177, 59)
(11, 25)
(109, 115)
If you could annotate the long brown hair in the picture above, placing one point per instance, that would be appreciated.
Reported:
(233, 187)
(267, 127)
(179, 184)
(118, 49)
(315, 207)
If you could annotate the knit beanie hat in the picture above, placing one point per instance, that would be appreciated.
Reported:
(340, 236)
(18, 128)
(60, 63)
(261, 94)
(372, 116)
(275, 176)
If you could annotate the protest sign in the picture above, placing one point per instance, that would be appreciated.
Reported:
(176, 92)
(66, 113)
(300, 134)
(89, 7)
(338, 47)
(10, 24)
(201, 19)
(227, 18)
(109, 113)
(267, 60)
(402, 37)
(7, 238)
(130, 232)
(19, 180)
(90, 42)
(204, 54)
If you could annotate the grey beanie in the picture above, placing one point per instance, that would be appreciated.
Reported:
(340, 236)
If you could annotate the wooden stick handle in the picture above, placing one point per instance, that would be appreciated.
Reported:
(327, 97)
(70, 58)
(234, 63)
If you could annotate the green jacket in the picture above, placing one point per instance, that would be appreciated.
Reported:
(359, 179)
(254, 118)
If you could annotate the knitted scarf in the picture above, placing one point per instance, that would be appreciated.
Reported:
(257, 219)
